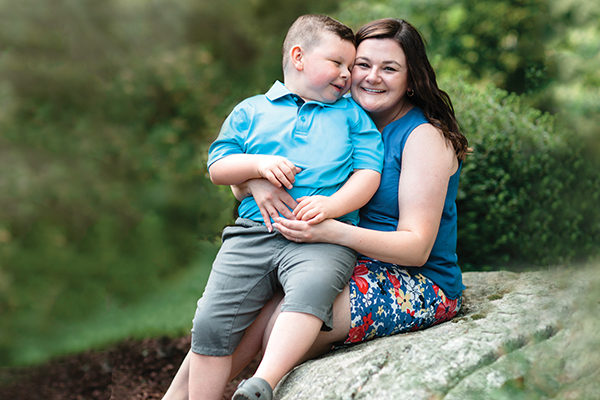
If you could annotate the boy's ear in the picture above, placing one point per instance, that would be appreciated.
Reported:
(297, 57)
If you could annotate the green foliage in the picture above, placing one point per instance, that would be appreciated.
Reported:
(530, 189)
(107, 108)
(166, 310)
(494, 41)
(545, 50)
(106, 112)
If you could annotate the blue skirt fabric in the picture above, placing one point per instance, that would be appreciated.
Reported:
(385, 299)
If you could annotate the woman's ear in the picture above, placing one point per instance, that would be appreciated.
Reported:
(297, 57)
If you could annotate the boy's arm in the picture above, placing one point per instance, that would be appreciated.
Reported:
(237, 168)
(355, 193)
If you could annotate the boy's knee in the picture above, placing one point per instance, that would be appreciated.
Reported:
(211, 336)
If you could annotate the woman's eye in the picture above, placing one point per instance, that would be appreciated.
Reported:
(361, 65)
(390, 69)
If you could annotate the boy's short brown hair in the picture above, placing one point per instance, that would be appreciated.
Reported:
(307, 30)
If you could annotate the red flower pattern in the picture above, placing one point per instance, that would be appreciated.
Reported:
(373, 299)
(357, 334)
(361, 283)
(446, 310)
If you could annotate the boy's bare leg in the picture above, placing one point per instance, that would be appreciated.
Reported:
(325, 339)
(292, 336)
(248, 348)
(257, 336)
(341, 327)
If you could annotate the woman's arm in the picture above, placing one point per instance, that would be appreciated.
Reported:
(428, 161)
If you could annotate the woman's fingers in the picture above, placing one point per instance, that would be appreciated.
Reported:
(286, 204)
(283, 209)
(291, 229)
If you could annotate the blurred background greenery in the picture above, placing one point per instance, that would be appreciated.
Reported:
(108, 222)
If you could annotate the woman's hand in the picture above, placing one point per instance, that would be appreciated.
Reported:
(271, 200)
(303, 231)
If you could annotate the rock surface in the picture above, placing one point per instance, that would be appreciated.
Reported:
(530, 335)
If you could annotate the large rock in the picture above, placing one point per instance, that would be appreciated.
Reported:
(529, 335)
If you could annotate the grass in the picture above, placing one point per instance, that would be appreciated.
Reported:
(166, 312)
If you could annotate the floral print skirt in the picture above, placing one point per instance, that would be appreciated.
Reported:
(385, 299)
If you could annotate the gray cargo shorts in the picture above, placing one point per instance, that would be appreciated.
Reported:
(251, 265)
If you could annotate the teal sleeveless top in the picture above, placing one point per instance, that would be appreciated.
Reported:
(381, 213)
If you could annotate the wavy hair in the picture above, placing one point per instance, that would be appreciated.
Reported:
(434, 102)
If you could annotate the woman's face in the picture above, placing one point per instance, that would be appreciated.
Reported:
(380, 78)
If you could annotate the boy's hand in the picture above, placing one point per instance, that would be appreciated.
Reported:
(278, 170)
(314, 209)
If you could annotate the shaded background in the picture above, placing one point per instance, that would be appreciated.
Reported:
(108, 222)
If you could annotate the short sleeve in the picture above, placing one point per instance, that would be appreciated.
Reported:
(233, 134)
(366, 141)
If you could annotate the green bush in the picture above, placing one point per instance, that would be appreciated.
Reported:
(100, 207)
(529, 192)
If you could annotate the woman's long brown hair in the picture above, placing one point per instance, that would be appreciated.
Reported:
(434, 102)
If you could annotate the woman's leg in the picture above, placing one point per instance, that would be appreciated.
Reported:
(178, 390)
(248, 348)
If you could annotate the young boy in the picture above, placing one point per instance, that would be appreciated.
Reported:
(324, 149)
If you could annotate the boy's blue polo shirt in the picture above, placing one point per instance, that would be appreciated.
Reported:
(328, 141)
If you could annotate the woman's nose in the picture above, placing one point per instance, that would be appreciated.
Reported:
(373, 75)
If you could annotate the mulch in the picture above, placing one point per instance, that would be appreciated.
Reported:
(132, 370)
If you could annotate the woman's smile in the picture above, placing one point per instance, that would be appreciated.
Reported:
(380, 79)
(374, 91)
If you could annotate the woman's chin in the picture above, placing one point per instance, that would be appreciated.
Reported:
(368, 104)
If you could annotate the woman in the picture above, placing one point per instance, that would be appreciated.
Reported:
(407, 277)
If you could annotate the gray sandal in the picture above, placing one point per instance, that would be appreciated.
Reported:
(253, 389)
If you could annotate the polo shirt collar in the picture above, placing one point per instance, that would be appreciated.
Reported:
(278, 91)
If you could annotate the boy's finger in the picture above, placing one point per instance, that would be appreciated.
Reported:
(282, 178)
(273, 179)
(289, 174)
(310, 214)
(293, 169)
(300, 210)
(298, 214)
(317, 219)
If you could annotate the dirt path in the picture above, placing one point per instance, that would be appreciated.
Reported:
(132, 370)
